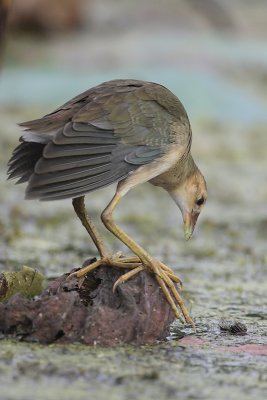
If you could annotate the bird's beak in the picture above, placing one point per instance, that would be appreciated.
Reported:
(190, 220)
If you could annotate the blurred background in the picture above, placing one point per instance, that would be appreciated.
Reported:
(213, 56)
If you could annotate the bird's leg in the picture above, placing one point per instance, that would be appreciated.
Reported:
(115, 260)
(105, 257)
(79, 207)
(164, 275)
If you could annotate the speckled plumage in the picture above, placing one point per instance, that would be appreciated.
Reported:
(100, 137)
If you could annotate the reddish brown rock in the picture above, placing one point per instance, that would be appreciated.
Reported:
(92, 314)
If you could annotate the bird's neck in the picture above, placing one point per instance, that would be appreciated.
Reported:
(177, 174)
(187, 167)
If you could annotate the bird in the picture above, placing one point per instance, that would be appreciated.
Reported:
(126, 131)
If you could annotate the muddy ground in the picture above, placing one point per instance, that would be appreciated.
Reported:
(221, 80)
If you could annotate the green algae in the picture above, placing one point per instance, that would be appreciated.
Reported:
(28, 282)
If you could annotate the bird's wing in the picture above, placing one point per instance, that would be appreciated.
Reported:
(139, 114)
(110, 134)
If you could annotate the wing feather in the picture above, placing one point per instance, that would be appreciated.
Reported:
(65, 163)
(98, 138)
(75, 192)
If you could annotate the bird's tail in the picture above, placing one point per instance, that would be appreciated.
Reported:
(23, 159)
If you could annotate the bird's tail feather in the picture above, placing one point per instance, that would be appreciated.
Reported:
(22, 162)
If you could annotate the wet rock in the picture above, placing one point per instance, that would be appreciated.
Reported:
(87, 311)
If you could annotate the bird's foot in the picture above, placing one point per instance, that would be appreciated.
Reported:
(137, 266)
(165, 276)
(167, 280)
(116, 260)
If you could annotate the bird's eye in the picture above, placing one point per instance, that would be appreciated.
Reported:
(200, 201)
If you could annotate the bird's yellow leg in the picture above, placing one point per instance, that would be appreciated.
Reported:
(134, 263)
(79, 207)
(162, 274)
(115, 260)
(105, 258)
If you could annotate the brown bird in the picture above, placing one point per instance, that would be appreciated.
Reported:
(124, 131)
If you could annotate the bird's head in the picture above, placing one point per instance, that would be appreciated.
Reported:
(190, 196)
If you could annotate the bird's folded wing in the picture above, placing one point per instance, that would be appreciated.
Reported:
(108, 136)
(75, 163)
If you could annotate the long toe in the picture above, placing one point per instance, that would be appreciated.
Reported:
(167, 284)
(127, 276)
(87, 269)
